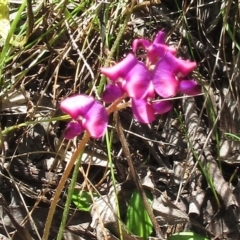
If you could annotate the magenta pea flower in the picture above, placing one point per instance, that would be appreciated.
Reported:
(162, 73)
(155, 49)
(168, 73)
(130, 76)
(139, 82)
(167, 69)
(87, 114)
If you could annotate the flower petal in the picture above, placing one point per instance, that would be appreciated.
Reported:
(112, 93)
(120, 69)
(157, 51)
(96, 120)
(72, 130)
(150, 91)
(189, 87)
(180, 67)
(142, 111)
(162, 107)
(159, 48)
(159, 41)
(160, 37)
(164, 80)
(143, 42)
(137, 81)
(77, 105)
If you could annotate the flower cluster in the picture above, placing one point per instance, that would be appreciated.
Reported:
(148, 84)
(162, 76)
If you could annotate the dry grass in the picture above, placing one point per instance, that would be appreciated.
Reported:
(187, 152)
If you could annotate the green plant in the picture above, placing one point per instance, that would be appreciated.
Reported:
(187, 236)
(82, 199)
(137, 219)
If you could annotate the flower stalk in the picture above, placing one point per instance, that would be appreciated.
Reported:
(67, 172)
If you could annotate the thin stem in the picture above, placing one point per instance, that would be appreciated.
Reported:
(61, 185)
(67, 171)
(25, 124)
(69, 197)
(127, 154)
(114, 183)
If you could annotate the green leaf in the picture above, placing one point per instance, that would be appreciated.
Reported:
(233, 136)
(137, 220)
(82, 200)
(187, 236)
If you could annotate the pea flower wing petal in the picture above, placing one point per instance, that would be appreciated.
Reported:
(96, 120)
(189, 87)
(72, 130)
(162, 107)
(120, 69)
(160, 37)
(164, 80)
(157, 51)
(111, 93)
(137, 81)
(142, 111)
(181, 68)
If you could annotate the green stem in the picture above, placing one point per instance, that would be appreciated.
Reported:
(61, 185)
(69, 198)
(114, 183)
(25, 124)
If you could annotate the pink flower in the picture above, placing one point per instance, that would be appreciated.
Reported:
(131, 76)
(155, 49)
(87, 114)
(134, 78)
(168, 70)
(167, 75)
(162, 73)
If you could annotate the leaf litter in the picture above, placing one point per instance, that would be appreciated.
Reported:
(170, 156)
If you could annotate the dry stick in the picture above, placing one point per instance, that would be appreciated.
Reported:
(67, 171)
(135, 176)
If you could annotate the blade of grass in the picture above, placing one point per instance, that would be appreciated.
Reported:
(135, 176)
(7, 44)
(109, 153)
(69, 196)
